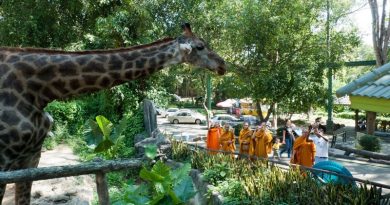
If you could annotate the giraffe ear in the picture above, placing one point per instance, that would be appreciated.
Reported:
(186, 47)
(186, 29)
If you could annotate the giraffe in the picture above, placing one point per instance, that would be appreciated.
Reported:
(30, 78)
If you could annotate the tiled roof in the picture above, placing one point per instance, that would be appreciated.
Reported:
(379, 88)
(373, 84)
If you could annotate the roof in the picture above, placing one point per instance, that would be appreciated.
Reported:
(375, 84)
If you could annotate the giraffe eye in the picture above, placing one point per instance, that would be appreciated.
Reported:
(199, 48)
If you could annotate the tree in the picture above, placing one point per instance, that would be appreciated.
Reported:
(380, 39)
(380, 31)
(278, 51)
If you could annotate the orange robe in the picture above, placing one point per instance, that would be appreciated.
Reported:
(262, 145)
(226, 136)
(303, 152)
(245, 141)
(213, 139)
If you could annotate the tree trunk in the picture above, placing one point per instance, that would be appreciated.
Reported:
(380, 33)
(356, 120)
(275, 116)
(260, 111)
(371, 116)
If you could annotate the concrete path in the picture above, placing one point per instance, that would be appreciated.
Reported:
(76, 190)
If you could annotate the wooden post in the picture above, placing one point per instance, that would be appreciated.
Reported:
(371, 116)
(102, 188)
(356, 120)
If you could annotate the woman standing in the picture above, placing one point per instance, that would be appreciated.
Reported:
(288, 139)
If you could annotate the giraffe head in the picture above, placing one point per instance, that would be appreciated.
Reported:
(195, 51)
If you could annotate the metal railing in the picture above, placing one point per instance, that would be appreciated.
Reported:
(315, 171)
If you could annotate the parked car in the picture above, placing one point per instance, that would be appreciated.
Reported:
(187, 117)
(223, 118)
(250, 119)
(170, 111)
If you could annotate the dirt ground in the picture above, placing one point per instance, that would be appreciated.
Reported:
(76, 190)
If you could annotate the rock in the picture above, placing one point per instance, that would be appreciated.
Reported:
(150, 117)
(163, 144)
(139, 137)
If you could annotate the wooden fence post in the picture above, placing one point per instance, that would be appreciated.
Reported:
(102, 188)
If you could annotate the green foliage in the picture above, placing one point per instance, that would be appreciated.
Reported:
(234, 191)
(340, 108)
(180, 151)
(41, 24)
(219, 173)
(255, 182)
(350, 115)
(111, 137)
(49, 143)
(163, 186)
(151, 151)
(370, 143)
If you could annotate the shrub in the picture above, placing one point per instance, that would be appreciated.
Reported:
(350, 115)
(370, 143)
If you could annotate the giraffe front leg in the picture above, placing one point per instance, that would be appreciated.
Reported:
(2, 191)
(23, 193)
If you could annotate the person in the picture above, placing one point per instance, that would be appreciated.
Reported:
(227, 140)
(288, 138)
(212, 141)
(275, 148)
(320, 125)
(217, 125)
(304, 150)
(244, 140)
(321, 142)
(262, 141)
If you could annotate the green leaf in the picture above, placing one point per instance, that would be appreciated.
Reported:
(137, 194)
(184, 190)
(162, 169)
(174, 197)
(150, 176)
(222, 174)
(151, 151)
(157, 199)
(105, 126)
(180, 173)
(104, 146)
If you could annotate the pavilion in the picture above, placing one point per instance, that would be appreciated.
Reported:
(370, 92)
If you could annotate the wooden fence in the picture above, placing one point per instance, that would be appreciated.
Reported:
(99, 168)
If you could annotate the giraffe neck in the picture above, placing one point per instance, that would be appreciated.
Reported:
(42, 76)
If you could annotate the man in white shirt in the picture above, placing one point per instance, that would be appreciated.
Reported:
(321, 142)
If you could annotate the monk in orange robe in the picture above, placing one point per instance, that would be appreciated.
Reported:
(212, 141)
(262, 141)
(227, 140)
(304, 150)
(245, 139)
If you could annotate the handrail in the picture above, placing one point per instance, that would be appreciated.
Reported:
(297, 165)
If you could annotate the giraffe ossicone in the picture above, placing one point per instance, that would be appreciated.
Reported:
(30, 78)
